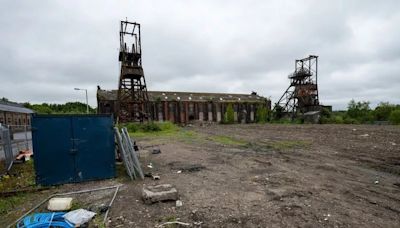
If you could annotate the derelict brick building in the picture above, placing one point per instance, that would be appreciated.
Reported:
(14, 114)
(184, 107)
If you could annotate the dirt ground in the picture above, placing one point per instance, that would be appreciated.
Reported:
(272, 176)
(267, 176)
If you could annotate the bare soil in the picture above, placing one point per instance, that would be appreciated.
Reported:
(264, 176)
(272, 176)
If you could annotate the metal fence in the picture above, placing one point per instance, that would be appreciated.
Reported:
(13, 138)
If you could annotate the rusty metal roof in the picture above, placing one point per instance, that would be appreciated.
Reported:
(187, 96)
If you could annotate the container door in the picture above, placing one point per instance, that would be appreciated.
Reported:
(94, 142)
(52, 147)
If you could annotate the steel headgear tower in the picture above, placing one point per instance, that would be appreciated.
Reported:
(302, 94)
(132, 90)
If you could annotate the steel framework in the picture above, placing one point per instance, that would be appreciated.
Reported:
(302, 94)
(132, 90)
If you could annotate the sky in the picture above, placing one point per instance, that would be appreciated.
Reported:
(49, 47)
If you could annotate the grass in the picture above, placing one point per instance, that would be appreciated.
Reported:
(98, 221)
(162, 131)
(8, 204)
(287, 144)
(169, 218)
(151, 129)
(20, 176)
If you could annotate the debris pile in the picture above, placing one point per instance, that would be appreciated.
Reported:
(59, 214)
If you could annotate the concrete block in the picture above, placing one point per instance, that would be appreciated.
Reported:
(157, 193)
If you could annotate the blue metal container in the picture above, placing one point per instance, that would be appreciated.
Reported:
(73, 148)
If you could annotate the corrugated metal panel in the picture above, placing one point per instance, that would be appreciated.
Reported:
(73, 148)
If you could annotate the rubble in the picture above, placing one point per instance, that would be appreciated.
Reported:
(157, 193)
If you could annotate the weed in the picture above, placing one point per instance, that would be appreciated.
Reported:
(20, 176)
(98, 221)
(8, 204)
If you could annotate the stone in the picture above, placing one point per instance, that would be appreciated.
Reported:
(157, 193)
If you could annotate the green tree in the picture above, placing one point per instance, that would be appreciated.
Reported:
(383, 110)
(359, 111)
(394, 117)
(229, 116)
(67, 108)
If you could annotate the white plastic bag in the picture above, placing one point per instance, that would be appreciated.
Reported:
(79, 216)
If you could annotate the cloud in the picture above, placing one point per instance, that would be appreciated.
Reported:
(49, 47)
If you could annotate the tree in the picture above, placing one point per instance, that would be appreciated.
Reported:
(383, 110)
(394, 117)
(359, 111)
(67, 108)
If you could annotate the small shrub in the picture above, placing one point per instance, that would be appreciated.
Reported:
(382, 111)
(337, 120)
(132, 127)
(229, 116)
(150, 127)
(261, 114)
(394, 117)
(349, 120)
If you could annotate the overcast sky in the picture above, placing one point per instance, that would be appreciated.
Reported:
(49, 47)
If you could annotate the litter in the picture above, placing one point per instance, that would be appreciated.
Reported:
(70, 193)
(79, 217)
(24, 155)
(54, 219)
(156, 177)
(174, 222)
(376, 182)
(156, 151)
(60, 204)
(179, 171)
(150, 165)
(179, 203)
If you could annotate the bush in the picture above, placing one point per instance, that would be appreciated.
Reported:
(261, 114)
(229, 116)
(394, 117)
(349, 120)
(132, 127)
(359, 111)
(383, 110)
(278, 114)
(151, 126)
(144, 127)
